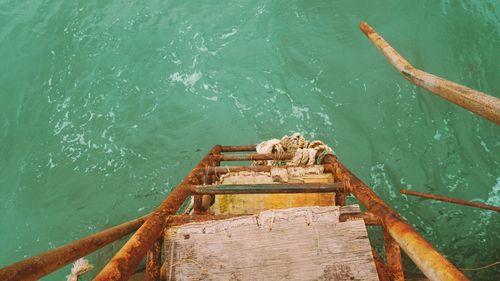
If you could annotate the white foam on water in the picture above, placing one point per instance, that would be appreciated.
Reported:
(494, 200)
(51, 164)
(188, 80)
(483, 144)
(300, 112)
(213, 98)
(494, 194)
(379, 179)
(326, 118)
(437, 135)
(233, 31)
(61, 124)
(241, 107)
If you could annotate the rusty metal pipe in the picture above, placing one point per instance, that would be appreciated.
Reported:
(238, 148)
(341, 198)
(269, 188)
(475, 101)
(428, 260)
(125, 262)
(382, 273)
(368, 218)
(201, 203)
(450, 200)
(230, 169)
(255, 157)
(153, 262)
(183, 219)
(45, 263)
(393, 257)
(371, 219)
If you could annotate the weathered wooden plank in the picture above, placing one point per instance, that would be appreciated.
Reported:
(306, 243)
(309, 174)
(256, 203)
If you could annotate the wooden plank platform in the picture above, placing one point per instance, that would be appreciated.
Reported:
(307, 243)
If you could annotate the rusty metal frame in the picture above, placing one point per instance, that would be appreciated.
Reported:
(398, 234)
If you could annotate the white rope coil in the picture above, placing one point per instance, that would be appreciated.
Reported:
(80, 267)
(306, 153)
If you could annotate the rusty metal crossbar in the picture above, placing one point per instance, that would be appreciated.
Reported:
(398, 234)
(269, 188)
(254, 157)
(219, 170)
(238, 148)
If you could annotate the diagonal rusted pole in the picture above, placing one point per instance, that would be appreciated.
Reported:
(38, 266)
(45, 263)
(450, 200)
(475, 101)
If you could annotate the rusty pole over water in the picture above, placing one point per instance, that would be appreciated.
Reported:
(475, 101)
(45, 263)
(35, 267)
(125, 262)
(428, 260)
(450, 200)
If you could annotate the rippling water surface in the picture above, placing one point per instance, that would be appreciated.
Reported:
(106, 105)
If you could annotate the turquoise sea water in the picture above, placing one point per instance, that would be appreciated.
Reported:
(106, 105)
